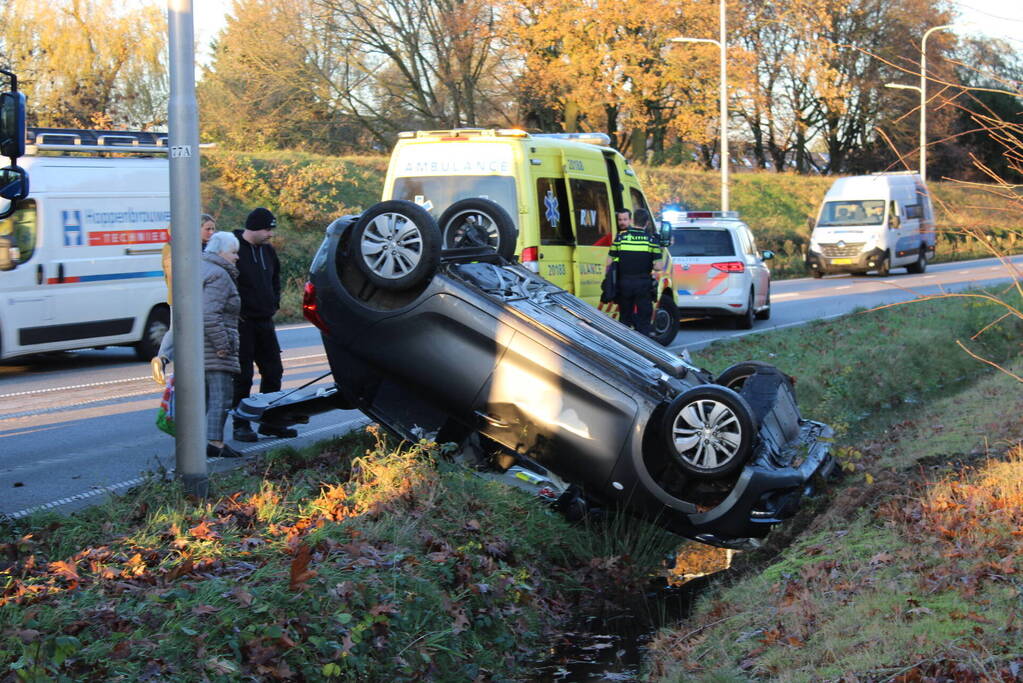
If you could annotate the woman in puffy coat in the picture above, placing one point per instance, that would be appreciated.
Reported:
(220, 308)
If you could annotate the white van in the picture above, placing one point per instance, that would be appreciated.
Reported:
(874, 222)
(80, 257)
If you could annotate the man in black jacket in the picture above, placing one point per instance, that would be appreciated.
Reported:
(259, 284)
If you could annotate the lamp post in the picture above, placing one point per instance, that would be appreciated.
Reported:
(722, 45)
(922, 89)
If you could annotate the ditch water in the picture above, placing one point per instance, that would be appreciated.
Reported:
(609, 645)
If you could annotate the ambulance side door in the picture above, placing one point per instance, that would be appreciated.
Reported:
(593, 220)
(555, 238)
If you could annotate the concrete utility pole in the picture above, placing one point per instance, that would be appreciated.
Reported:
(923, 96)
(189, 374)
(723, 96)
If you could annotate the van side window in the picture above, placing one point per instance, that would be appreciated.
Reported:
(555, 222)
(914, 211)
(592, 212)
(19, 230)
(893, 215)
(639, 201)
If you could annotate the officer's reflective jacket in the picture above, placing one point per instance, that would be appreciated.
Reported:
(635, 252)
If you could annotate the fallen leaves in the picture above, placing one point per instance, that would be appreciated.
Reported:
(300, 572)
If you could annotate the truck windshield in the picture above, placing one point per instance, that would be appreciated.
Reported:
(857, 212)
(701, 243)
(436, 193)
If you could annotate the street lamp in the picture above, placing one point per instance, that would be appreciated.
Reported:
(923, 96)
(724, 100)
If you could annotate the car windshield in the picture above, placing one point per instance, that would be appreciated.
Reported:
(701, 242)
(436, 193)
(859, 212)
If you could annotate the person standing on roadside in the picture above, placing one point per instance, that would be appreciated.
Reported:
(259, 284)
(220, 308)
(207, 226)
(637, 254)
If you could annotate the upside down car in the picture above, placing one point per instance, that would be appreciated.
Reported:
(463, 345)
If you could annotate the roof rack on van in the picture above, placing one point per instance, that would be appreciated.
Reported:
(85, 140)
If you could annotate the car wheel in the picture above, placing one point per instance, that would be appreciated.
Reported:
(396, 244)
(817, 273)
(478, 222)
(734, 376)
(765, 314)
(709, 431)
(885, 267)
(920, 265)
(745, 321)
(665, 325)
(157, 325)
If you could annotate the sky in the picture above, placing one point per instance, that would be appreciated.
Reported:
(994, 18)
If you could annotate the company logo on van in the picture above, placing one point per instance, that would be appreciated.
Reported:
(72, 222)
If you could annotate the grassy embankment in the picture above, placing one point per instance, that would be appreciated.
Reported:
(308, 191)
(358, 562)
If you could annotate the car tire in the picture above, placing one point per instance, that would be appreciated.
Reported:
(884, 269)
(476, 222)
(709, 431)
(817, 273)
(396, 244)
(745, 321)
(734, 376)
(765, 314)
(920, 265)
(665, 324)
(157, 324)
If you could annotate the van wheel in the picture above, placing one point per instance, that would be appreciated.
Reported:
(396, 244)
(665, 325)
(920, 265)
(817, 273)
(709, 431)
(477, 222)
(884, 269)
(157, 325)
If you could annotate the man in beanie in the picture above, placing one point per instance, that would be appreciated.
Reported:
(259, 284)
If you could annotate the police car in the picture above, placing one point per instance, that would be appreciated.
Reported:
(716, 270)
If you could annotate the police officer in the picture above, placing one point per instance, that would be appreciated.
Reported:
(637, 253)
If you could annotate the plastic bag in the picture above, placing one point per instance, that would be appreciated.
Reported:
(609, 286)
(165, 413)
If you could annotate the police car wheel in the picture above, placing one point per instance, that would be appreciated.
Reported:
(709, 431)
(478, 222)
(745, 321)
(766, 313)
(157, 324)
(396, 244)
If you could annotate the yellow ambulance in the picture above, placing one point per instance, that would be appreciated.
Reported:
(555, 194)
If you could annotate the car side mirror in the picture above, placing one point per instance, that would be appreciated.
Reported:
(767, 254)
(13, 186)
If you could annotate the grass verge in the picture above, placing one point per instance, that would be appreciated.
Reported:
(909, 571)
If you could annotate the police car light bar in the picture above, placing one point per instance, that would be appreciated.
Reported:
(708, 214)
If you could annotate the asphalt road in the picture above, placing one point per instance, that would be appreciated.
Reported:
(76, 426)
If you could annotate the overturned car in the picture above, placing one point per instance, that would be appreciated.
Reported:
(463, 345)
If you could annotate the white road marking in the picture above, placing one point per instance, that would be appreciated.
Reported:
(844, 287)
(349, 426)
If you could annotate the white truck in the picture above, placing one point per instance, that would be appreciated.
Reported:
(874, 222)
(80, 262)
